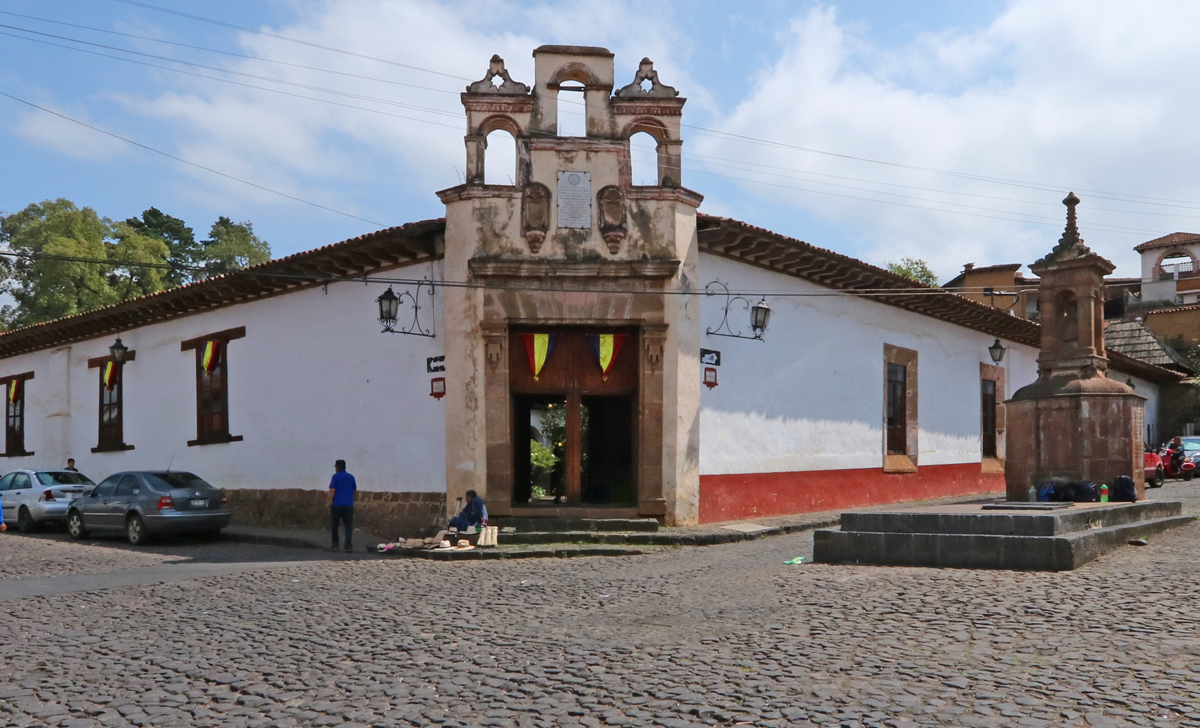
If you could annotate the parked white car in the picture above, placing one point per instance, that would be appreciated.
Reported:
(31, 498)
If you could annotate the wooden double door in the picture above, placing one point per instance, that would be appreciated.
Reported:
(574, 425)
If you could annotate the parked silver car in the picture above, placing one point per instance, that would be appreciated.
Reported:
(142, 503)
(33, 497)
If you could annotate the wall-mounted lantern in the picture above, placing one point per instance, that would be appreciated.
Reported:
(118, 351)
(710, 377)
(760, 314)
(389, 311)
(437, 387)
(997, 351)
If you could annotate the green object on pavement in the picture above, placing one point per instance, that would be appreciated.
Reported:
(797, 560)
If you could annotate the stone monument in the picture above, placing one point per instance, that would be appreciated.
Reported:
(1073, 423)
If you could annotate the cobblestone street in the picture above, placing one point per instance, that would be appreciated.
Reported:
(691, 636)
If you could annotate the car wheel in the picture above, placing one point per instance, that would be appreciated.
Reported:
(1188, 474)
(25, 522)
(75, 525)
(1159, 477)
(135, 530)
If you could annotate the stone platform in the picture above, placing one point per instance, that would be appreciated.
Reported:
(990, 537)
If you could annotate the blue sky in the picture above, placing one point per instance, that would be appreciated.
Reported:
(1043, 95)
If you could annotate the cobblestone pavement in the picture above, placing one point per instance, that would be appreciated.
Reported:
(692, 636)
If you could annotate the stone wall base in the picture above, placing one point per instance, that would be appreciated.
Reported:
(387, 515)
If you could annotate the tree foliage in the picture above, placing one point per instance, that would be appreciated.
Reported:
(67, 259)
(915, 269)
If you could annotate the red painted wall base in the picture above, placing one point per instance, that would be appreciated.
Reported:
(754, 495)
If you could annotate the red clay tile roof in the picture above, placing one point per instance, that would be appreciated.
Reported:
(1173, 309)
(760, 247)
(387, 248)
(1168, 240)
(418, 241)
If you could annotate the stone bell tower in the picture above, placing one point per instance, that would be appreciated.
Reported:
(572, 249)
(1073, 423)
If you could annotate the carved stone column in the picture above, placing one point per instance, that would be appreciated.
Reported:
(498, 418)
(650, 457)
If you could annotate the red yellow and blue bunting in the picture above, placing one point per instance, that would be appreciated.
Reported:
(211, 357)
(110, 375)
(14, 390)
(539, 347)
(606, 347)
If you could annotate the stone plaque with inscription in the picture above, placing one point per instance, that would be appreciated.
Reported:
(574, 199)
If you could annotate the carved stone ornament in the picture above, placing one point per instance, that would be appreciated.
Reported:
(657, 89)
(535, 214)
(654, 353)
(489, 85)
(610, 203)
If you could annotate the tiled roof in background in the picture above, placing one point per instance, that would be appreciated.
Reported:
(1134, 339)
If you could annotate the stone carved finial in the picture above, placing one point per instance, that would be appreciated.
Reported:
(489, 85)
(657, 89)
(1070, 245)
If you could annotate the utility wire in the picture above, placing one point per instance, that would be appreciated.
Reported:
(230, 53)
(189, 163)
(442, 112)
(446, 113)
(202, 19)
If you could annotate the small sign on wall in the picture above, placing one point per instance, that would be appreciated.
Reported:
(709, 357)
(437, 387)
(710, 377)
(434, 364)
(574, 199)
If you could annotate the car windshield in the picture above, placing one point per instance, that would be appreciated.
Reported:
(1191, 443)
(63, 478)
(172, 481)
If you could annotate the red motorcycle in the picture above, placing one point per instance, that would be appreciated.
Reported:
(1177, 468)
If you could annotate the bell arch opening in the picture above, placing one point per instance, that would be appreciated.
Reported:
(500, 158)
(643, 160)
(572, 117)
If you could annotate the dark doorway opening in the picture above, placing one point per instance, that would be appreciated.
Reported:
(606, 434)
(574, 421)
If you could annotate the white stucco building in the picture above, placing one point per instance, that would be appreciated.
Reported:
(865, 387)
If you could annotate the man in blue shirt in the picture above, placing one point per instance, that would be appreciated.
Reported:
(341, 503)
(472, 514)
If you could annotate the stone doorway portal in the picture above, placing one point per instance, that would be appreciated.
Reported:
(574, 425)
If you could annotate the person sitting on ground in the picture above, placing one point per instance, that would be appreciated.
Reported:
(473, 513)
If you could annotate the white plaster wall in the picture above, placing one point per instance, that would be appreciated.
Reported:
(1149, 390)
(313, 380)
(810, 397)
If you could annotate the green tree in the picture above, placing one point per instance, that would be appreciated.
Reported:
(231, 246)
(70, 260)
(185, 252)
(915, 269)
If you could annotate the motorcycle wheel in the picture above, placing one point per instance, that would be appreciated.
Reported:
(1189, 474)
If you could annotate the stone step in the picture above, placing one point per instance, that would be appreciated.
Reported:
(974, 520)
(567, 524)
(1060, 552)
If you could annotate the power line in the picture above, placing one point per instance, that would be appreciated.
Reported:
(231, 53)
(202, 19)
(189, 163)
(1120, 197)
(442, 112)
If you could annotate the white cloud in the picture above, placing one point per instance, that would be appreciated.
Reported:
(301, 146)
(66, 137)
(1083, 94)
